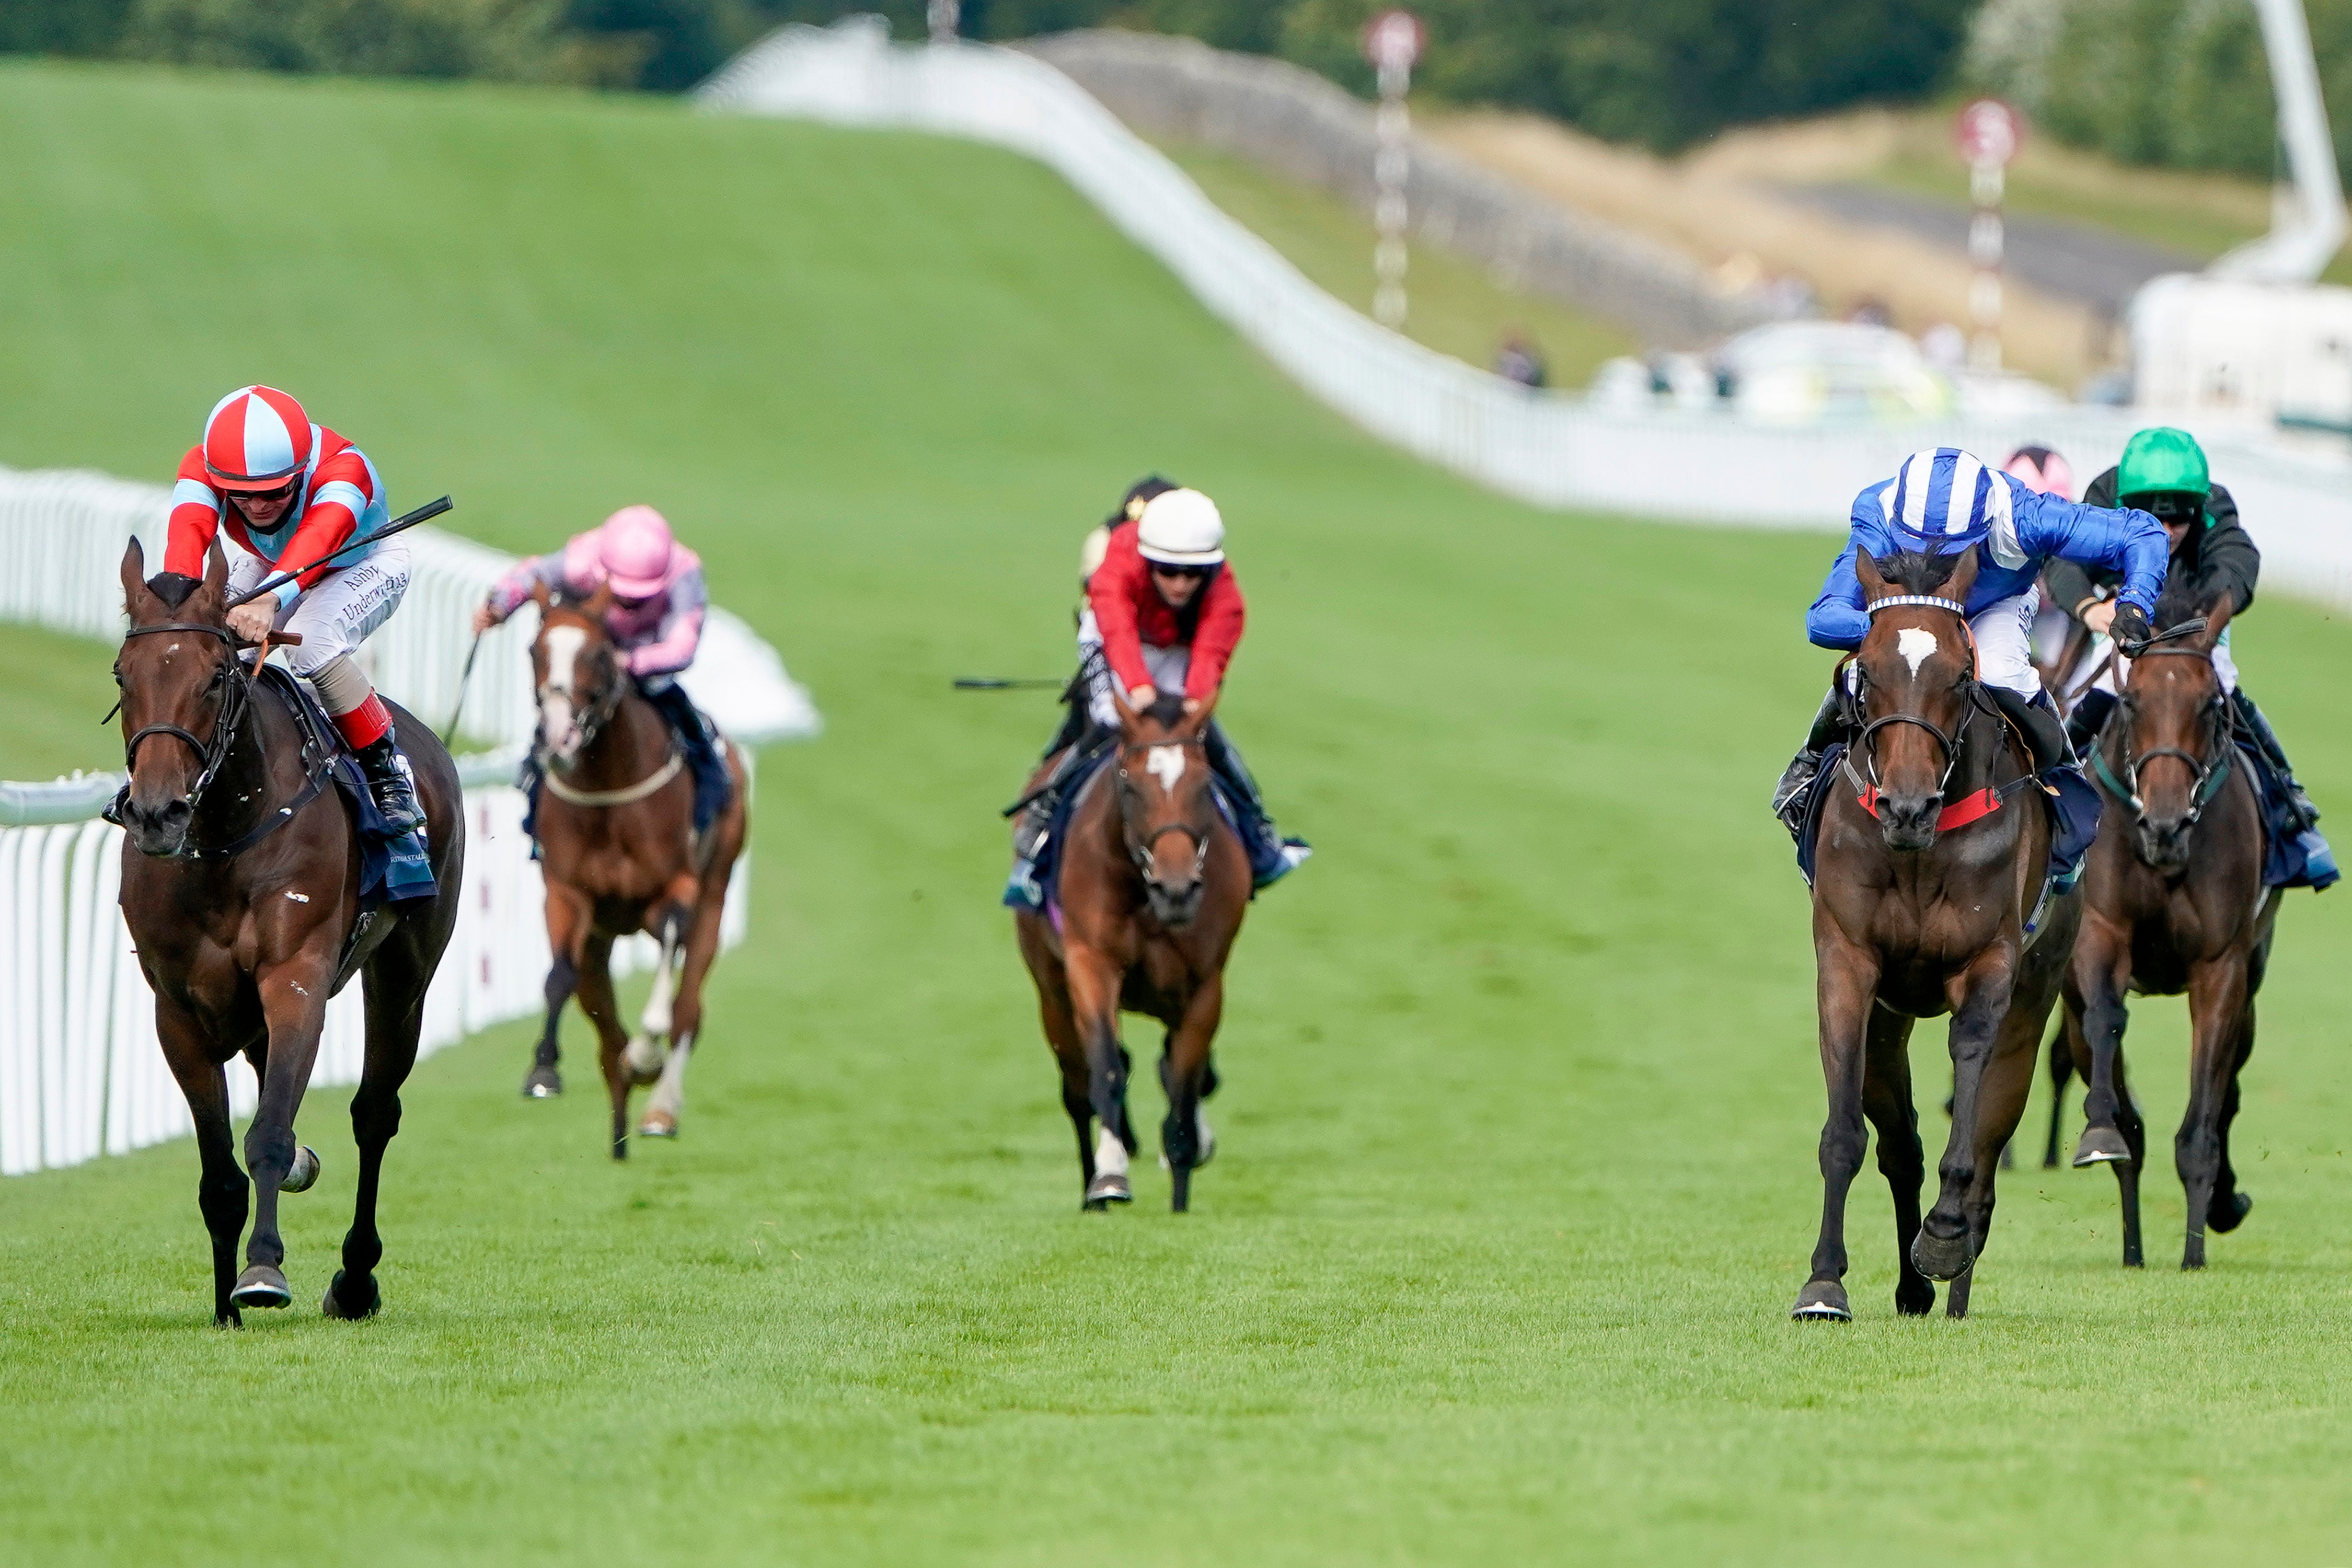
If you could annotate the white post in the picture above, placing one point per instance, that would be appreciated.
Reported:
(945, 16)
(1986, 237)
(1392, 42)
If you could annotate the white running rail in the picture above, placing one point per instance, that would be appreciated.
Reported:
(1551, 449)
(80, 1071)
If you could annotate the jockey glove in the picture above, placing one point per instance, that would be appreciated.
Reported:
(2130, 629)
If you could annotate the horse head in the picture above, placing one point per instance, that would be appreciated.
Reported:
(1165, 809)
(181, 688)
(2175, 721)
(1915, 674)
(578, 673)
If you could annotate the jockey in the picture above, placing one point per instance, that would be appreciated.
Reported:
(290, 495)
(1163, 609)
(1945, 500)
(656, 620)
(2164, 473)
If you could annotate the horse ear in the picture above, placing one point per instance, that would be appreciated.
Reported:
(217, 572)
(539, 595)
(2217, 620)
(1963, 577)
(1866, 571)
(1207, 712)
(600, 603)
(1127, 714)
(134, 576)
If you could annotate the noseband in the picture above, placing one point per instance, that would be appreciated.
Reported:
(234, 705)
(1139, 850)
(2212, 772)
(591, 720)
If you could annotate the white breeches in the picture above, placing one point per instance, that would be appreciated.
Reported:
(1168, 667)
(2225, 665)
(2004, 638)
(334, 617)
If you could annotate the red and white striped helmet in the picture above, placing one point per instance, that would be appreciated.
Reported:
(256, 439)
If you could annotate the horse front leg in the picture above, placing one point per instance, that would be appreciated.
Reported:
(1094, 1003)
(567, 925)
(2102, 968)
(2000, 1106)
(1847, 988)
(1902, 1159)
(294, 1005)
(604, 1010)
(1061, 1031)
(223, 1193)
(1183, 1071)
(1979, 996)
(2217, 1018)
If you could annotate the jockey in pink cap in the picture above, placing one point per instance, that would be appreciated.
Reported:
(655, 620)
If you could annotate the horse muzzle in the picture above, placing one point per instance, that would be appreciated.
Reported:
(161, 831)
(1908, 821)
(1177, 906)
(2163, 843)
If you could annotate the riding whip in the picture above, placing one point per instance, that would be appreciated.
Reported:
(459, 710)
(1000, 683)
(424, 513)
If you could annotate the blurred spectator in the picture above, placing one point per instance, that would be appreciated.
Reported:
(1870, 313)
(1519, 359)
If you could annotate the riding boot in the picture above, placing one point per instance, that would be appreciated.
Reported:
(1036, 813)
(2089, 718)
(712, 784)
(1271, 856)
(392, 786)
(1074, 720)
(1796, 786)
(2036, 718)
(2257, 728)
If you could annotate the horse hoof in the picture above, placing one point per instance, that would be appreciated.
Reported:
(334, 1306)
(1109, 1189)
(261, 1286)
(305, 1173)
(2102, 1146)
(1823, 1302)
(542, 1083)
(2227, 1215)
(657, 1124)
(1915, 1304)
(1941, 1259)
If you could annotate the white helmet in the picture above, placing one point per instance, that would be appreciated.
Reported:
(1181, 528)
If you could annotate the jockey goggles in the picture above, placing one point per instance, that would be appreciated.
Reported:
(1165, 569)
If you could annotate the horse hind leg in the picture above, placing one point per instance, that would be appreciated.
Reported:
(565, 922)
(2230, 1206)
(2063, 1036)
(697, 948)
(647, 1048)
(1204, 1137)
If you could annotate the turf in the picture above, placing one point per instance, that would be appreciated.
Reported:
(52, 726)
(1516, 1176)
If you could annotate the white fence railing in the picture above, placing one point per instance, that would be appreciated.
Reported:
(80, 1071)
(1549, 448)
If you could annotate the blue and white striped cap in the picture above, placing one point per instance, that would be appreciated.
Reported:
(1945, 500)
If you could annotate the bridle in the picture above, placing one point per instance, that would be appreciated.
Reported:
(2212, 772)
(235, 702)
(1951, 744)
(590, 719)
(1139, 849)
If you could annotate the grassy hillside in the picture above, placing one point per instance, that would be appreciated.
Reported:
(1517, 1138)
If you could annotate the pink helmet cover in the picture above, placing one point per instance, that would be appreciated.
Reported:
(2045, 471)
(635, 547)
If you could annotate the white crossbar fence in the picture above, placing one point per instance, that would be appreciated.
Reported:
(80, 1071)
(1549, 448)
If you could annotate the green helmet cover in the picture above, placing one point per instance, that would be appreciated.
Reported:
(2162, 458)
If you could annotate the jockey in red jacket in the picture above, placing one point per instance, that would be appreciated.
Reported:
(288, 495)
(1163, 615)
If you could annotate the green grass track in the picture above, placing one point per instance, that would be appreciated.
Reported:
(1517, 1171)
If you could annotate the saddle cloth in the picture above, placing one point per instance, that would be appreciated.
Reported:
(392, 870)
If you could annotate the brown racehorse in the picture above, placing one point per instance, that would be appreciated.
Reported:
(1153, 885)
(1920, 911)
(241, 888)
(619, 854)
(2173, 901)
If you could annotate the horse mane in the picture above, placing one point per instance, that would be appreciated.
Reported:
(172, 587)
(1166, 709)
(1918, 570)
(2179, 602)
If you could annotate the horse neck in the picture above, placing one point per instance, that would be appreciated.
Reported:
(625, 749)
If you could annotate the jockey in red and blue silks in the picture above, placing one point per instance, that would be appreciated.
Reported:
(288, 495)
(658, 603)
(1941, 502)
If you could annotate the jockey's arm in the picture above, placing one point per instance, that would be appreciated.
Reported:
(1224, 615)
(1113, 591)
(195, 518)
(673, 647)
(338, 495)
(2120, 539)
(511, 591)
(1837, 618)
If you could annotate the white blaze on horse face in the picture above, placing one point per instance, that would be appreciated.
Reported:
(1166, 764)
(564, 645)
(1916, 646)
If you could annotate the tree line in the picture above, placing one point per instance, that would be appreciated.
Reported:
(1664, 73)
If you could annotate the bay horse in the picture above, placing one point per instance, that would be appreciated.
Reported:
(619, 855)
(241, 889)
(1928, 873)
(1152, 887)
(2174, 902)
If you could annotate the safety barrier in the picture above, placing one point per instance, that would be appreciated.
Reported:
(80, 1071)
(1552, 450)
